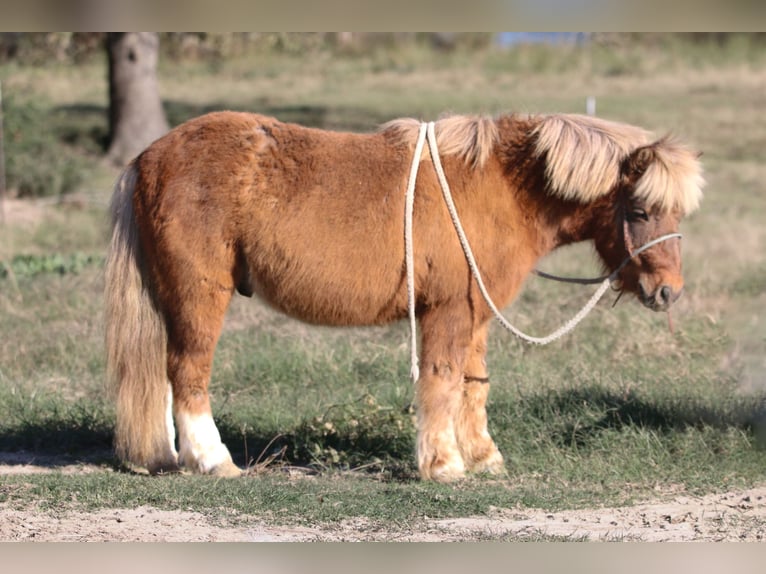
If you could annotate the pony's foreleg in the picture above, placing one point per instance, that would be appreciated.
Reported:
(476, 445)
(438, 393)
(190, 357)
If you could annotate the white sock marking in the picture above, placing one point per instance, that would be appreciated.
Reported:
(200, 442)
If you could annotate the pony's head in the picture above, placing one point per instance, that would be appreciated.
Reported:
(659, 184)
(638, 189)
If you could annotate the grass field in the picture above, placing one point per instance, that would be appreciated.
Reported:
(620, 411)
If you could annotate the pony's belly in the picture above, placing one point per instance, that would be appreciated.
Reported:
(350, 303)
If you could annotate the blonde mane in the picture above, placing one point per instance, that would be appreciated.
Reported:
(469, 137)
(584, 155)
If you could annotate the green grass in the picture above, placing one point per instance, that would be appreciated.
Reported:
(621, 410)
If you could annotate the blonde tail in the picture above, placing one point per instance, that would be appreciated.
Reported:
(136, 344)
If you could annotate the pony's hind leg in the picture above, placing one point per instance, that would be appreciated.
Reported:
(194, 328)
(476, 445)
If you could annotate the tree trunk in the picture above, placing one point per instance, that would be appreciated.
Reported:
(136, 117)
(2, 160)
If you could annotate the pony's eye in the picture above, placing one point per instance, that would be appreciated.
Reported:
(637, 214)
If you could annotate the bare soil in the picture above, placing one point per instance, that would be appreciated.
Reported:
(22, 212)
(732, 516)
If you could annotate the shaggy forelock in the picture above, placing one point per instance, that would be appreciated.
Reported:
(673, 181)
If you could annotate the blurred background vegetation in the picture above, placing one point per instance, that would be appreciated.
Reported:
(47, 48)
(53, 148)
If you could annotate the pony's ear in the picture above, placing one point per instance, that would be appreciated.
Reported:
(638, 161)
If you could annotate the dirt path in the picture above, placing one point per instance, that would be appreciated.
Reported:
(733, 516)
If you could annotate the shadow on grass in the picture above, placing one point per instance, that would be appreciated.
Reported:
(585, 413)
(57, 443)
(376, 446)
(378, 443)
(381, 440)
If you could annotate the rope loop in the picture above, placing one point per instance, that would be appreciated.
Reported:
(409, 251)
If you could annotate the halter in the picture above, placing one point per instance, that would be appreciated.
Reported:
(613, 275)
(427, 132)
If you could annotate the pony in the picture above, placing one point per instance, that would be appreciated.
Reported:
(312, 222)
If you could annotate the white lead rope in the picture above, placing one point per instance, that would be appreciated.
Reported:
(427, 132)
(409, 254)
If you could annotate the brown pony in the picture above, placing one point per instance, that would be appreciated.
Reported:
(312, 222)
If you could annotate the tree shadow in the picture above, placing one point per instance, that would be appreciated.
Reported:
(351, 118)
(82, 125)
(87, 125)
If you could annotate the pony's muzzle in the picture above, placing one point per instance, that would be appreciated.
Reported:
(662, 297)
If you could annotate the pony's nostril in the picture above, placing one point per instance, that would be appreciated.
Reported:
(665, 294)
